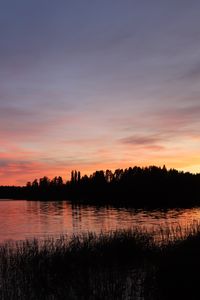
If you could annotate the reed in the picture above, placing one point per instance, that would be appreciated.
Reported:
(82, 266)
(123, 264)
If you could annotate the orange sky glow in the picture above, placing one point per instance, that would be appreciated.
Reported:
(98, 85)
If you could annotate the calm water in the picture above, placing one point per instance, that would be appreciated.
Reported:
(26, 219)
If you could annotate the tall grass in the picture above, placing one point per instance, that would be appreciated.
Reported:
(123, 264)
(171, 234)
(86, 266)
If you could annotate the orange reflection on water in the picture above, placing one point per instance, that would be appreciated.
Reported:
(27, 219)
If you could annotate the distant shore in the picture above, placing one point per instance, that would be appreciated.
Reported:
(137, 187)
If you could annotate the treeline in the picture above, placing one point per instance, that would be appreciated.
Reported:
(149, 186)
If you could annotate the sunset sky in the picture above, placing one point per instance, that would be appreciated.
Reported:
(101, 84)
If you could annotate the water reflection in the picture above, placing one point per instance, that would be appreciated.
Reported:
(26, 219)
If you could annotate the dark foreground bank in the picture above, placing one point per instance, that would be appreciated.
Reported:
(118, 265)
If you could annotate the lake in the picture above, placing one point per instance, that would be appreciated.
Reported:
(26, 219)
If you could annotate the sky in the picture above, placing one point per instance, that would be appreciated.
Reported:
(92, 85)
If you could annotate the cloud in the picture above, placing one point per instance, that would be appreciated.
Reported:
(193, 73)
(19, 125)
(165, 130)
(79, 92)
(140, 140)
(178, 118)
(153, 143)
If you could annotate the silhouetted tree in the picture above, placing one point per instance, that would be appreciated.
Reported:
(136, 186)
(72, 176)
(109, 176)
(35, 183)
(79, 176)
(44, 182)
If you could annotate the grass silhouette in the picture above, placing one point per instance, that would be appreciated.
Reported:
(125, 264)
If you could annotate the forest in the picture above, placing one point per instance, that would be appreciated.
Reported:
(135, 186)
